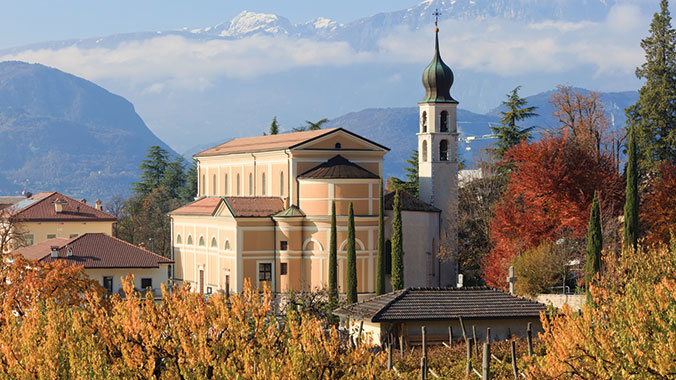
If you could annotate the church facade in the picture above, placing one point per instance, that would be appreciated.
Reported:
(263, 210)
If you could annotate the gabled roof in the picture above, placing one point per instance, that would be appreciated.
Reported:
(337, 167)
(95, 250)
(264, 143)
(408, 203)
(276, 142)
(238, 206)
(40, 207)
(422, 304)
(291, 212)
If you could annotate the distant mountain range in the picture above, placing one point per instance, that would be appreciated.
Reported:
(204, 84)
(62, 133)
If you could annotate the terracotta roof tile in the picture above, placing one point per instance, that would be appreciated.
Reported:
(203, 206)
(443, 304)
(337, 167)
(408, 203)
(40, 207)
(255, 206)
(95, 250)
(264, 143)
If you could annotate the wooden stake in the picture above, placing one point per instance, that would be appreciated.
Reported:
(488, 335)
(423, 368)
(529, 337)
(468, 342)
(486, 370)
(389, 357)
(450, 336)
(476, 342)
(424, 343)
(462, 327)
(401, 346)
(514, 369)
(361, 328)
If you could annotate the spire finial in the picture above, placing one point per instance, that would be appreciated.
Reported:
(436, 15)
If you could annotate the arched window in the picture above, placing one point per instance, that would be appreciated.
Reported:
(338, 146)
(189, 239)
(444, 121)
(443, 150)
(388, 257)
(263, 184)
(201, 243)
(214, 243)
(423, 121)
(214, 185)
(227, 244)
(178, 239)
(424, 151)
(239, 185)
(225, 191)
(251, 184)
(203, 190)
(281, 184)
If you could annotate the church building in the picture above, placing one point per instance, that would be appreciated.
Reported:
(263, 210)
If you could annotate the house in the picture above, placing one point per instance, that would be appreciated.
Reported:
(49, 215)
(264, 209)
(404, 312)
(105, 259)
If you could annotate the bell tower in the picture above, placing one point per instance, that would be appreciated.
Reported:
(438, 153)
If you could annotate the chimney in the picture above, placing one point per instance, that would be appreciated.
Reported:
(70, 251)
(58, 206)
(511, 279)
(55, 250)
(98, 204)
(83, 201)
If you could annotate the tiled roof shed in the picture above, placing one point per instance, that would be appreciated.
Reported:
(95, 250)
(425, 304)
(337, 167)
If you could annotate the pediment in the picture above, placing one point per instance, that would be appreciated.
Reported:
(341, 139)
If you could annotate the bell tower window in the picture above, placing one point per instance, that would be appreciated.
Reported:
(423, 121)
(443, 150)
(444, 121)
(424, 151)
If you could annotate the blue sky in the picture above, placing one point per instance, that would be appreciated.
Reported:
(30, 21)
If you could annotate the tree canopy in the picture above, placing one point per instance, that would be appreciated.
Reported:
(509, 133)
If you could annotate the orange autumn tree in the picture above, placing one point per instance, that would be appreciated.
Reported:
(658, 210)
(548, 197)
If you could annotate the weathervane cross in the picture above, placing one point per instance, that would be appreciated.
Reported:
(436, 15)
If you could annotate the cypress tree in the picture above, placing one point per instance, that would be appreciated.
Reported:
(333, 259)
(274, 127)
(631, 195)
(351, 259)
(380, 270)
(397, 246)
(653, 117)
(594, 244)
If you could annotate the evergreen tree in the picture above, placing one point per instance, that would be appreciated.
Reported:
(274, 127)
(509, 133)
(594, 244)
(631, 195)
(174, 178)
(397, 246)
(653, 117)
(351, 259)
(333, 259)
(412, 184)
(152, 170)
(189, 190)
(380, 270)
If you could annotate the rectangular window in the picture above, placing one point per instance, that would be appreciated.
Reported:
(72, 235)
(28, 239)
(264, 272)
(283, 268)
(108, 284)
(51, 236)
(146, 283)
(283, 245)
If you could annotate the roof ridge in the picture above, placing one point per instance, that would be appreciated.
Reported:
(37, 201)
(389, 304)
(127, 243)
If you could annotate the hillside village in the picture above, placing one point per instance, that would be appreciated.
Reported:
(294, 254)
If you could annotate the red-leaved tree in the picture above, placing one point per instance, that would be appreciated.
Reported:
(658, 211)
(548, 197)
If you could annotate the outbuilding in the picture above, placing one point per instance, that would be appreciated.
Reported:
(405, 312)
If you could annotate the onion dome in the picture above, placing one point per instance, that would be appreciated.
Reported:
(437, 78)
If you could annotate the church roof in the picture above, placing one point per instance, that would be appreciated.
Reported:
(203, 206)
(238, 206)
(337, 167)
(408, 203)
(264, 143)
(423, 304)
(291, 211)
(437, 78)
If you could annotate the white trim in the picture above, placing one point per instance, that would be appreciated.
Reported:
(357, 241)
